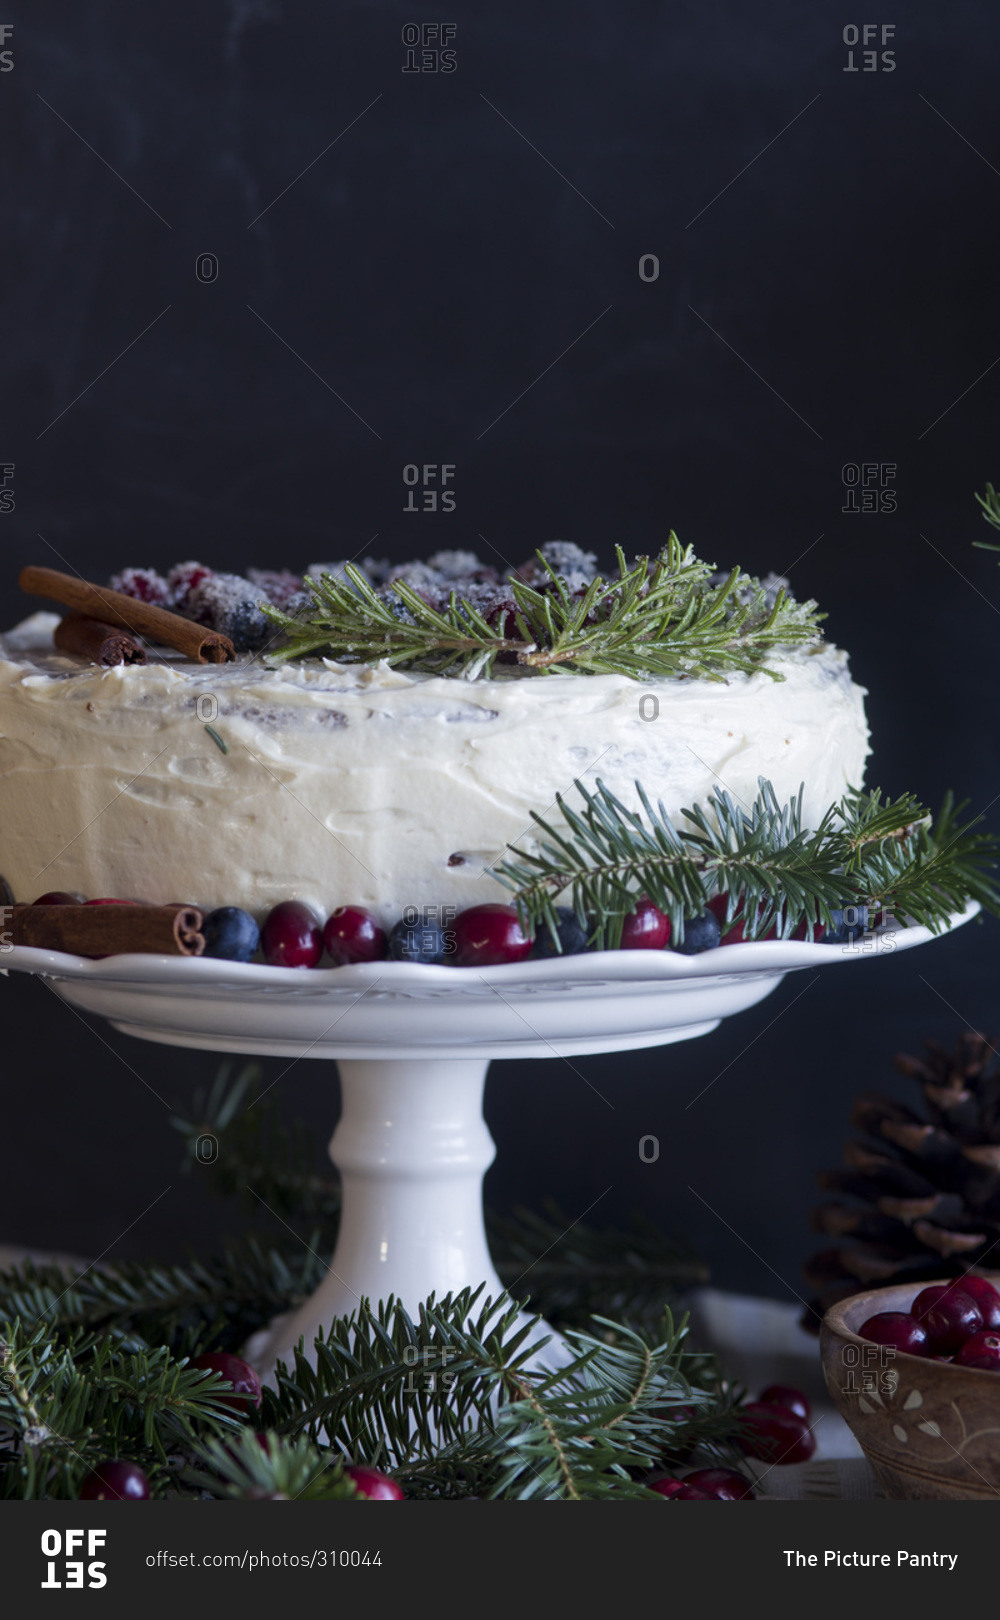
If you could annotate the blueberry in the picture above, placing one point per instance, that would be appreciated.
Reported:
(572, 934)
(848, 925)
(422, 940)
(231, 934)
(700, 934)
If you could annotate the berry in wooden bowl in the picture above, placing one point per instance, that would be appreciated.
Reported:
(928, 1424)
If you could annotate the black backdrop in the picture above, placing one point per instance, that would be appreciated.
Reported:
(826, 245)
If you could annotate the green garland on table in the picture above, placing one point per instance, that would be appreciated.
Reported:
(97, 1365)
(885, 855)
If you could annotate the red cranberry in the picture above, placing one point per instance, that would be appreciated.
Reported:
(785, 1395)
(354, 935)
(985, 1296)
(898, 1329)
(59, 897)
(775, 1435)
(982, 1350)
(725, 1484)
(666, 1486)
(948, 1315)
(246, 1385)
(115, 1481)
(680, 1490)
(114, 902)
(645, 928)
(291, 936)
(375, 1486)
(488, 936)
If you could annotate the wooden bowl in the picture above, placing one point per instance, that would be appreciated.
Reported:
(928, 1428)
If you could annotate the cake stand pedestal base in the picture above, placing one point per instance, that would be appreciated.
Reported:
(412, 1148)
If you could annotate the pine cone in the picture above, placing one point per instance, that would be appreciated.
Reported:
(919, 1193)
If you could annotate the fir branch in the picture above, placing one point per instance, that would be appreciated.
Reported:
(868, 851)
(655, 618)
(990, 503)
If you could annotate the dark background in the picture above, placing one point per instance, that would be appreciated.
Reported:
(427, 267)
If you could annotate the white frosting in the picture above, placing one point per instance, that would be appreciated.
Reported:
(350, 784)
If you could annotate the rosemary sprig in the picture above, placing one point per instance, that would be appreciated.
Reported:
(655, 618)
(887, 855)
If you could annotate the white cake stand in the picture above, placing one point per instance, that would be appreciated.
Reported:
(412, 1044)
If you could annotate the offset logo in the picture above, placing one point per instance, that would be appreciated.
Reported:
(70, 1559)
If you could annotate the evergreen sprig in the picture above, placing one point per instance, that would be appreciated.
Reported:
(990, 503)
(889, 856)
(655, 618)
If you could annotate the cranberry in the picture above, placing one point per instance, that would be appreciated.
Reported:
(775, 1435)
(948, 1315)
(488, 936)
(898, 1329)
(785, 1395)
(114, 902)
(59, 897)
(682, 1490)
(115, 1481)
(354, 935)
(984, 1294)
(645, 928)
(725, 1484)
(982, 1350)
(246, 1385)
(666, 1486)
(375, 1486)
(291, 936)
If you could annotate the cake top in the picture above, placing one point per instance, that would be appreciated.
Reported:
(668, 616)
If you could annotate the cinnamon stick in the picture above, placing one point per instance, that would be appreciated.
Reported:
(100, 643)
(142, 618)
(109, 930)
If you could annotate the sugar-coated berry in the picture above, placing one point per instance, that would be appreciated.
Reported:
(700, 934)
(897, 1329)
(982, 1351)
(143, 585)
(948, 1316)
(246, 1385)
(183, 579)
(775, 1435)
(281, 587)
(849, 925)
(645, 928)
(352, 934)
(59, 897)
(787, 1396)
(370, 1483)
(489, 936)
(726, 1484)
(986, 1297)
(571, 933)
(229, 604)
(422, 939)
(231, 933)
(115, 1481)
(291, 936)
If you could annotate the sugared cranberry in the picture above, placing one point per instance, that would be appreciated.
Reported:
(787, 1396)
(182, 580)
(377, 1487)
(236, 1371)
(488, 936)
(948, 1316)
(291, 936)
(59, 897)
(982, 1350)
(354, 935)
(723, 1483)
(897, 1329)
(986, 1297)
(645, 928)
(143, 585)
(775, 1435)
(115, 1481)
